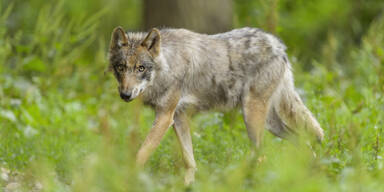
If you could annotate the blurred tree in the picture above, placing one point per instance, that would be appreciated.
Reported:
(199, 15)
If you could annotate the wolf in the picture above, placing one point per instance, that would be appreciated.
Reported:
(174, 70)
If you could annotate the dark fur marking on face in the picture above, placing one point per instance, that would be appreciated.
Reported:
(117, 75)
(146, 75)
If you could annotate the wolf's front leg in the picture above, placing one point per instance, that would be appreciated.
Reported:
(183, 134)
(164, 119)
(161, 125)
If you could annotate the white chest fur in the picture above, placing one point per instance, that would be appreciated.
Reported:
(186, 100)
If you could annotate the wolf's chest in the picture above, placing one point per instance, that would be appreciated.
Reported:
(187, 100)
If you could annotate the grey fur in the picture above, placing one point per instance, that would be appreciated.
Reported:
(213, 71)
(243, 67)
(215, 68)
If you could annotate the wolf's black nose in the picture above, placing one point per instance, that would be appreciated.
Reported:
(125, 96)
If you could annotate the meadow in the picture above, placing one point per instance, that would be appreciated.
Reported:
(63, 126)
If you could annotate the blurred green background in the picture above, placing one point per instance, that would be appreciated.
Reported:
(64, 128)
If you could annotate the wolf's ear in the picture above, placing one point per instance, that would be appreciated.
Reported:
(119, 38)
(152, 42)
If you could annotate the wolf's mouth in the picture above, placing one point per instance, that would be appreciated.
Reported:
(139, 89)
(127, 100)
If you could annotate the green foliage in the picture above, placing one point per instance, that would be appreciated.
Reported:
(309, 28)
(63, 127)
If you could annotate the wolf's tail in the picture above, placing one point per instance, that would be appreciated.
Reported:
(288, 112)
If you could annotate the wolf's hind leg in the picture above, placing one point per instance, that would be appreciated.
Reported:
(276, 126)
(255, 109)
(183, 134)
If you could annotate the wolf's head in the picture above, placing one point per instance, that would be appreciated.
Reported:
(132, 60)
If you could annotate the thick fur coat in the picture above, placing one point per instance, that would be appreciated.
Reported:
(177, 69)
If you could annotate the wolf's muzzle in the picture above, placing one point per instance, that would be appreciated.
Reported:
(126, 96)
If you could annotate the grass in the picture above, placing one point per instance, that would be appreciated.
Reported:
(64, 128)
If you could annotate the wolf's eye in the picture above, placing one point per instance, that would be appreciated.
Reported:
(120, 68)
(141, 68)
